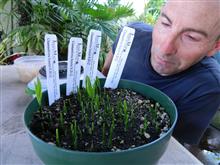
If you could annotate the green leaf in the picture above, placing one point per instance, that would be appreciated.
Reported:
(3, 3)
(89, 88)
(29, 91)
(38, 91)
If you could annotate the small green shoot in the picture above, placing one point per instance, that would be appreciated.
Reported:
(103, 133)
(145, 124)
(61, 120)
(64, 107)
(89, 88)
(57, 137)
(111, 134)
(73, 128)
(126, 115)
(37, 91)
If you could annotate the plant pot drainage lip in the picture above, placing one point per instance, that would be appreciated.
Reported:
(109, 153)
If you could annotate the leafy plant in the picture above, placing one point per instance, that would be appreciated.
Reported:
(66, 18)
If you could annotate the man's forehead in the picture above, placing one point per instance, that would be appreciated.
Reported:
(195, 13)
(212, 6)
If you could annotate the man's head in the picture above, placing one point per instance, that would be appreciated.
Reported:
(185, 32)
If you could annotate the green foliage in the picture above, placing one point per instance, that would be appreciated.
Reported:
(61, 120)
(89, 88)
(103, 133)
(111, 134)
(73, 128)
(145, 124)
(37, 91)
(151, 12)
(66, 18)
(64, 107)
(57, 137)
(3, 3)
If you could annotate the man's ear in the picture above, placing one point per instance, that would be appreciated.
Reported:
(215, 49)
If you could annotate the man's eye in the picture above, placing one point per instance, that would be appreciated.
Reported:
(165, 24)
(191, 38)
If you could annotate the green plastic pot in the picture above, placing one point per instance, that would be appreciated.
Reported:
(146, 154)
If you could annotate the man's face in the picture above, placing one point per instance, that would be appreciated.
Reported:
(185, 32)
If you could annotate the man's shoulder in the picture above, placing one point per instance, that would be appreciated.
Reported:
(140, 26)
(212, 67)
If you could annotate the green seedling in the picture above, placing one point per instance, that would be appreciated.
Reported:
(50, 119)
(57, 137)
(79, 131)
(119, 108)
(93, 127)
(103, 133)
(157, 106)
(145, 124)
(79, 95)
(126, 122)
(126, 115)
(37, 91)
(61, 120)
(144, 127)
(87, 120)
(97, 103)
(89, 88)
(82, 109)
(153, 113)
(64, 107)
(97, 85)
(108, 102)
(73, 128)
(111, 134)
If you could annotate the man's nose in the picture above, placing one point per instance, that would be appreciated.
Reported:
(168, 47)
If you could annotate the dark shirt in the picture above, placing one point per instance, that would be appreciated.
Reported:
(195, 91)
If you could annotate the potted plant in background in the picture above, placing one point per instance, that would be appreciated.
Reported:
(64, 18)
(129, 125)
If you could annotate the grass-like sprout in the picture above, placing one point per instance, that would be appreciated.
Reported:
(73, 128)
(57, 137)
(64, 107)
(126, 115)
(111, 133)
(103, 134)
(37, 91)
(61, 120)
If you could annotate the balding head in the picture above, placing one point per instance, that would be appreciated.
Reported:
(205, 13)
(186, 32)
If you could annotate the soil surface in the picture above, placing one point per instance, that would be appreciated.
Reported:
(115, 120)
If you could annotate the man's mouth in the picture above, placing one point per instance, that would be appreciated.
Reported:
(163, 61)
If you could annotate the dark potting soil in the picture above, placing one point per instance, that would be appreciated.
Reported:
(116, 120)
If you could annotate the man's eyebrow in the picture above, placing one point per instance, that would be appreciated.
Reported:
(164, 15)
(196, 31)
(186, 29)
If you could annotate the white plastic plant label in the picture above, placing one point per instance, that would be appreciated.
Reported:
(120, 57)
(52, 71)
(74, 65)
(92, 55)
